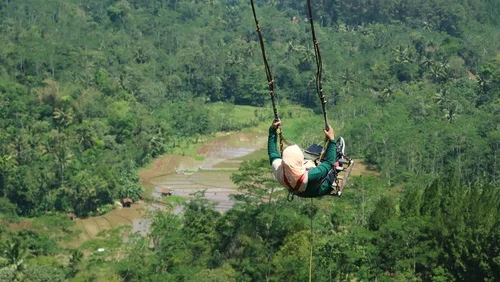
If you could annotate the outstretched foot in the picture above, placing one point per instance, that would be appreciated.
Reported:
(340, 147)
(343, 167)
(337, 186)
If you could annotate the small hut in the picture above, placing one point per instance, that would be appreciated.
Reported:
(472, 76)
(166, 192)
(71, 216)
(127, 202)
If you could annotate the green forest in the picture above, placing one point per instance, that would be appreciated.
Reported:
(92, 91)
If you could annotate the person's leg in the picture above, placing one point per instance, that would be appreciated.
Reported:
(332, 179)
(340, 182)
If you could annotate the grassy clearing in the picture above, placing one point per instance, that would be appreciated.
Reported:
(174, 199)
(199, 158)
(257, 155)
(110, 240)
(57, 226)
(240, 116)
(237, 116)
(227, 165)
(260, 118)
(188, 147)
(237, 113)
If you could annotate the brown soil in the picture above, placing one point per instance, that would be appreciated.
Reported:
(362, 168)
(161, 165)
(231, 140)
(25, 224)
(92, 226)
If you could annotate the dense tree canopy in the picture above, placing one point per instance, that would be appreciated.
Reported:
(90, 91)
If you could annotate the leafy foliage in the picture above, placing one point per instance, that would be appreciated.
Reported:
(90, 92)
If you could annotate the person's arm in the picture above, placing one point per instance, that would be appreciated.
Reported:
(318, 173)
(272, 140)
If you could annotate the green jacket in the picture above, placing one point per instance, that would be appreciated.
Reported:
(317, 185)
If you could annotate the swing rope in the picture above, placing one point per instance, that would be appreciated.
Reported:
(319, 90)
(270, 81)
(312, 240)
(319, 73)
(319, 66)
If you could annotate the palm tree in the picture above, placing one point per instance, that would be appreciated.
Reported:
(427, 26)
(448, 105)
(75, 258)
(307, 55)
(233, 59)
(60, 148)
(88, 70)
(440, 97)
(20, 144)
(400, 53)
(16, 255)
(347, 77)
(437, 73)
(389, 90)
(292, 47)
(51, 93)
(426, 61)
(156, 143)
(450, 114)
(62, 118)
(411, 55)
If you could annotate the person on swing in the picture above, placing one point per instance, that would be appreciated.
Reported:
(300, 177)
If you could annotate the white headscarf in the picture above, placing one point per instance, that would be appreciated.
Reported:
(293, 165)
